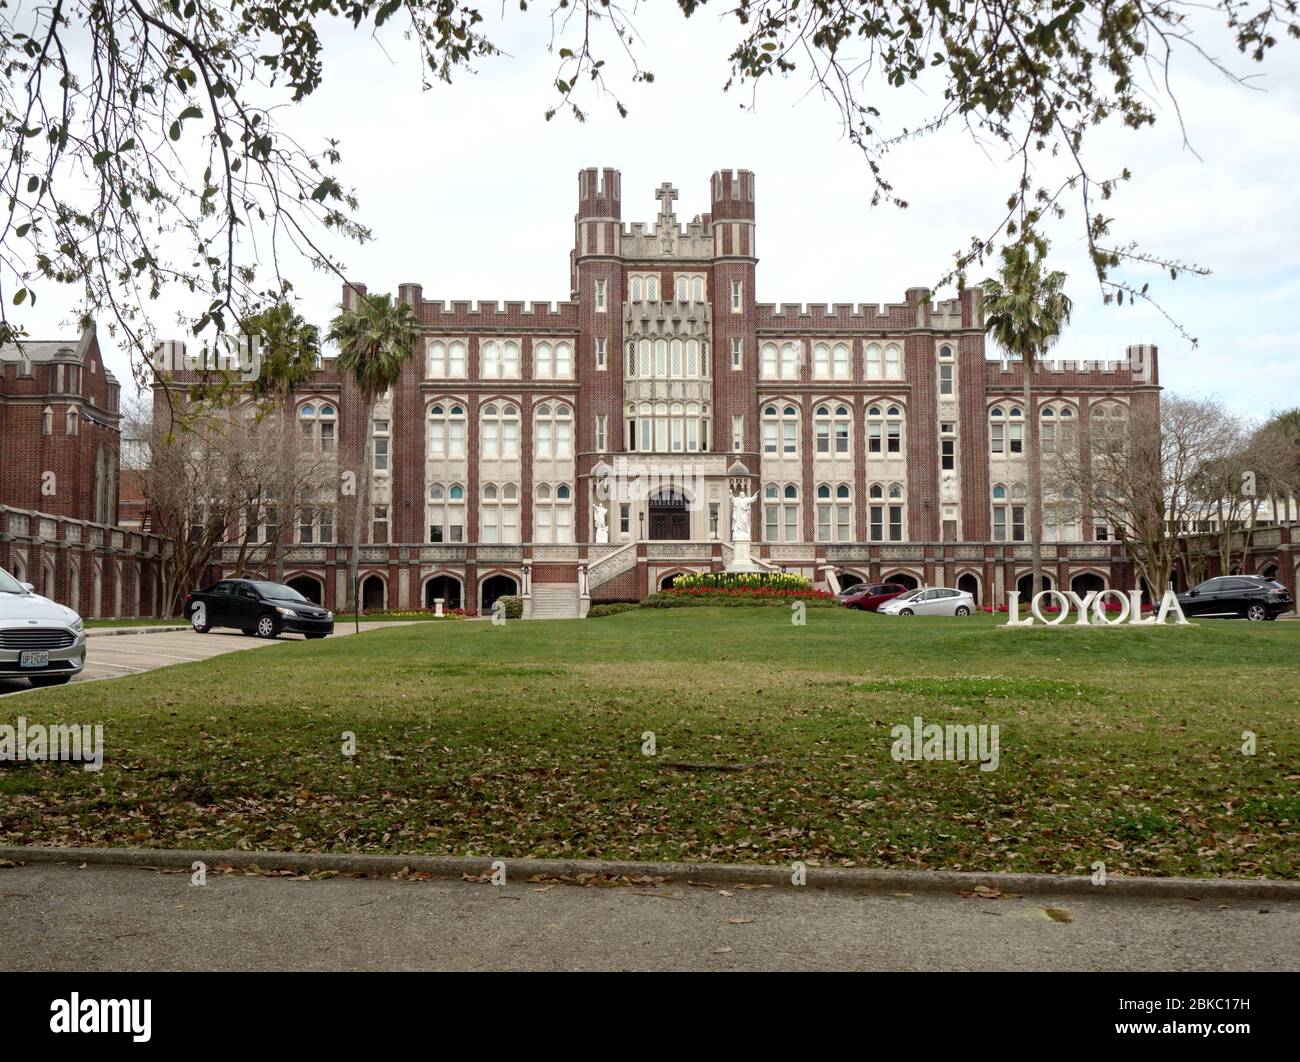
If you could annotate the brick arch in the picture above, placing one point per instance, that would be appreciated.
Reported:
(442, 573)
(914, 574)
(673, 573)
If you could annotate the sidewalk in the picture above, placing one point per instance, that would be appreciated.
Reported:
(60, 917)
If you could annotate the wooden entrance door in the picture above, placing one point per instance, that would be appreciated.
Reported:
(670, 520)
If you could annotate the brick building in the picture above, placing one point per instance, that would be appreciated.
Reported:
(880, 441)
(59, 456)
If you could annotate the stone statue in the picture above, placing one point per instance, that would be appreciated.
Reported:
(601, 512)
(740, 504)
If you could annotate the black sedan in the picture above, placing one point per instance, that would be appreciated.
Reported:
(1249, 596)
(257, 608)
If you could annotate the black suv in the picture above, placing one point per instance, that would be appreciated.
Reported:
(255, 607)
(1237, 595)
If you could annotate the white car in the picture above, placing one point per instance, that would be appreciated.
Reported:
(934, 601)
(40, 640)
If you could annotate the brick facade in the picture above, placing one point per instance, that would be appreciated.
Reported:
(59, 459)
(665, 352)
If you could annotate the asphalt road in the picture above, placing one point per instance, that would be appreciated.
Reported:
(60, 917)
(112, 656)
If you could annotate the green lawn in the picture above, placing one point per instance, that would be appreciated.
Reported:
(526, 740)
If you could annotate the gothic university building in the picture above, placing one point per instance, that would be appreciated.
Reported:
(588, 451)
(59, 460)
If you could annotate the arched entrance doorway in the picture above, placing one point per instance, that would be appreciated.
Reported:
(373, 593)
(901, 579)
(970, 584)
(310, 588)
(670, 519)
(495, 586)
(669, 581)
(1086, 583)
(1025, 584)
(848, 579)
(1269, 571)
(446, 587)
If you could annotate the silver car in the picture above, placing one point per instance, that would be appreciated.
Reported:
(933, 601)
(40, 640)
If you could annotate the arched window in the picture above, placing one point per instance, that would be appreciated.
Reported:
(834, 513)
(893, 361)
(499, 359)
(885, 512)
(769, 361)
(446, 429)
(789, 361)
(553, 513)
(500, 431)
(875, 362)
(832, 428)
(47, 421)
(1008, 513)
(553, 430)
(446, 359)
(631, 359)
(446, 513)
(884, 429)
(781, 429)
(552, 361)
(319, 423)
(499, 513)
(781, 513)
(831, 361)
(1108, 425)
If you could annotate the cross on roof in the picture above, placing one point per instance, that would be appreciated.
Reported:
(666, 194)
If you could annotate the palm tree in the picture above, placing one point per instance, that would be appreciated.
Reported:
(1024, 312)
(375, 338)
(289, 350)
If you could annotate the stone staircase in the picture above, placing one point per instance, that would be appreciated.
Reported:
(559, 601)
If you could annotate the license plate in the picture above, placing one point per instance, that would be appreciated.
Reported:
(34, 659)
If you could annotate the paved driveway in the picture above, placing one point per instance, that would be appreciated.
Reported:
(112, 656)
(124, 918)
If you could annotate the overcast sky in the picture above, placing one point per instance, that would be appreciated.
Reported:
(471, 193)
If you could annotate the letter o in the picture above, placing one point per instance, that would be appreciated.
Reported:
(1099, 611)
(1037, 603)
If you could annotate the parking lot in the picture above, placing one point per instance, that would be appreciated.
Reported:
(113, 655)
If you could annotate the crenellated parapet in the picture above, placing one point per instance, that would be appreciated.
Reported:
(948, 315)
(491, 316)
(1139, 367)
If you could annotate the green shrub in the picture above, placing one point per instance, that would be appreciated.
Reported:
(514, 606)
(608, 609)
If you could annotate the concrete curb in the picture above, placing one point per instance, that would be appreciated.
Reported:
(715, 873)
(103, 632)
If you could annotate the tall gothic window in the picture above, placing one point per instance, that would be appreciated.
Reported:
(500, 431)
(553, 430)
(553, 513)
(446, 429)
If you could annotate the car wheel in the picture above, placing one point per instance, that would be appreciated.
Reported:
(1255, 613)
(199, 618)
(267, 627)
(49, 680)
(906, 612)
(962, 610)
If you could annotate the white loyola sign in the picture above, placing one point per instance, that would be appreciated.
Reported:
(1093, 604)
